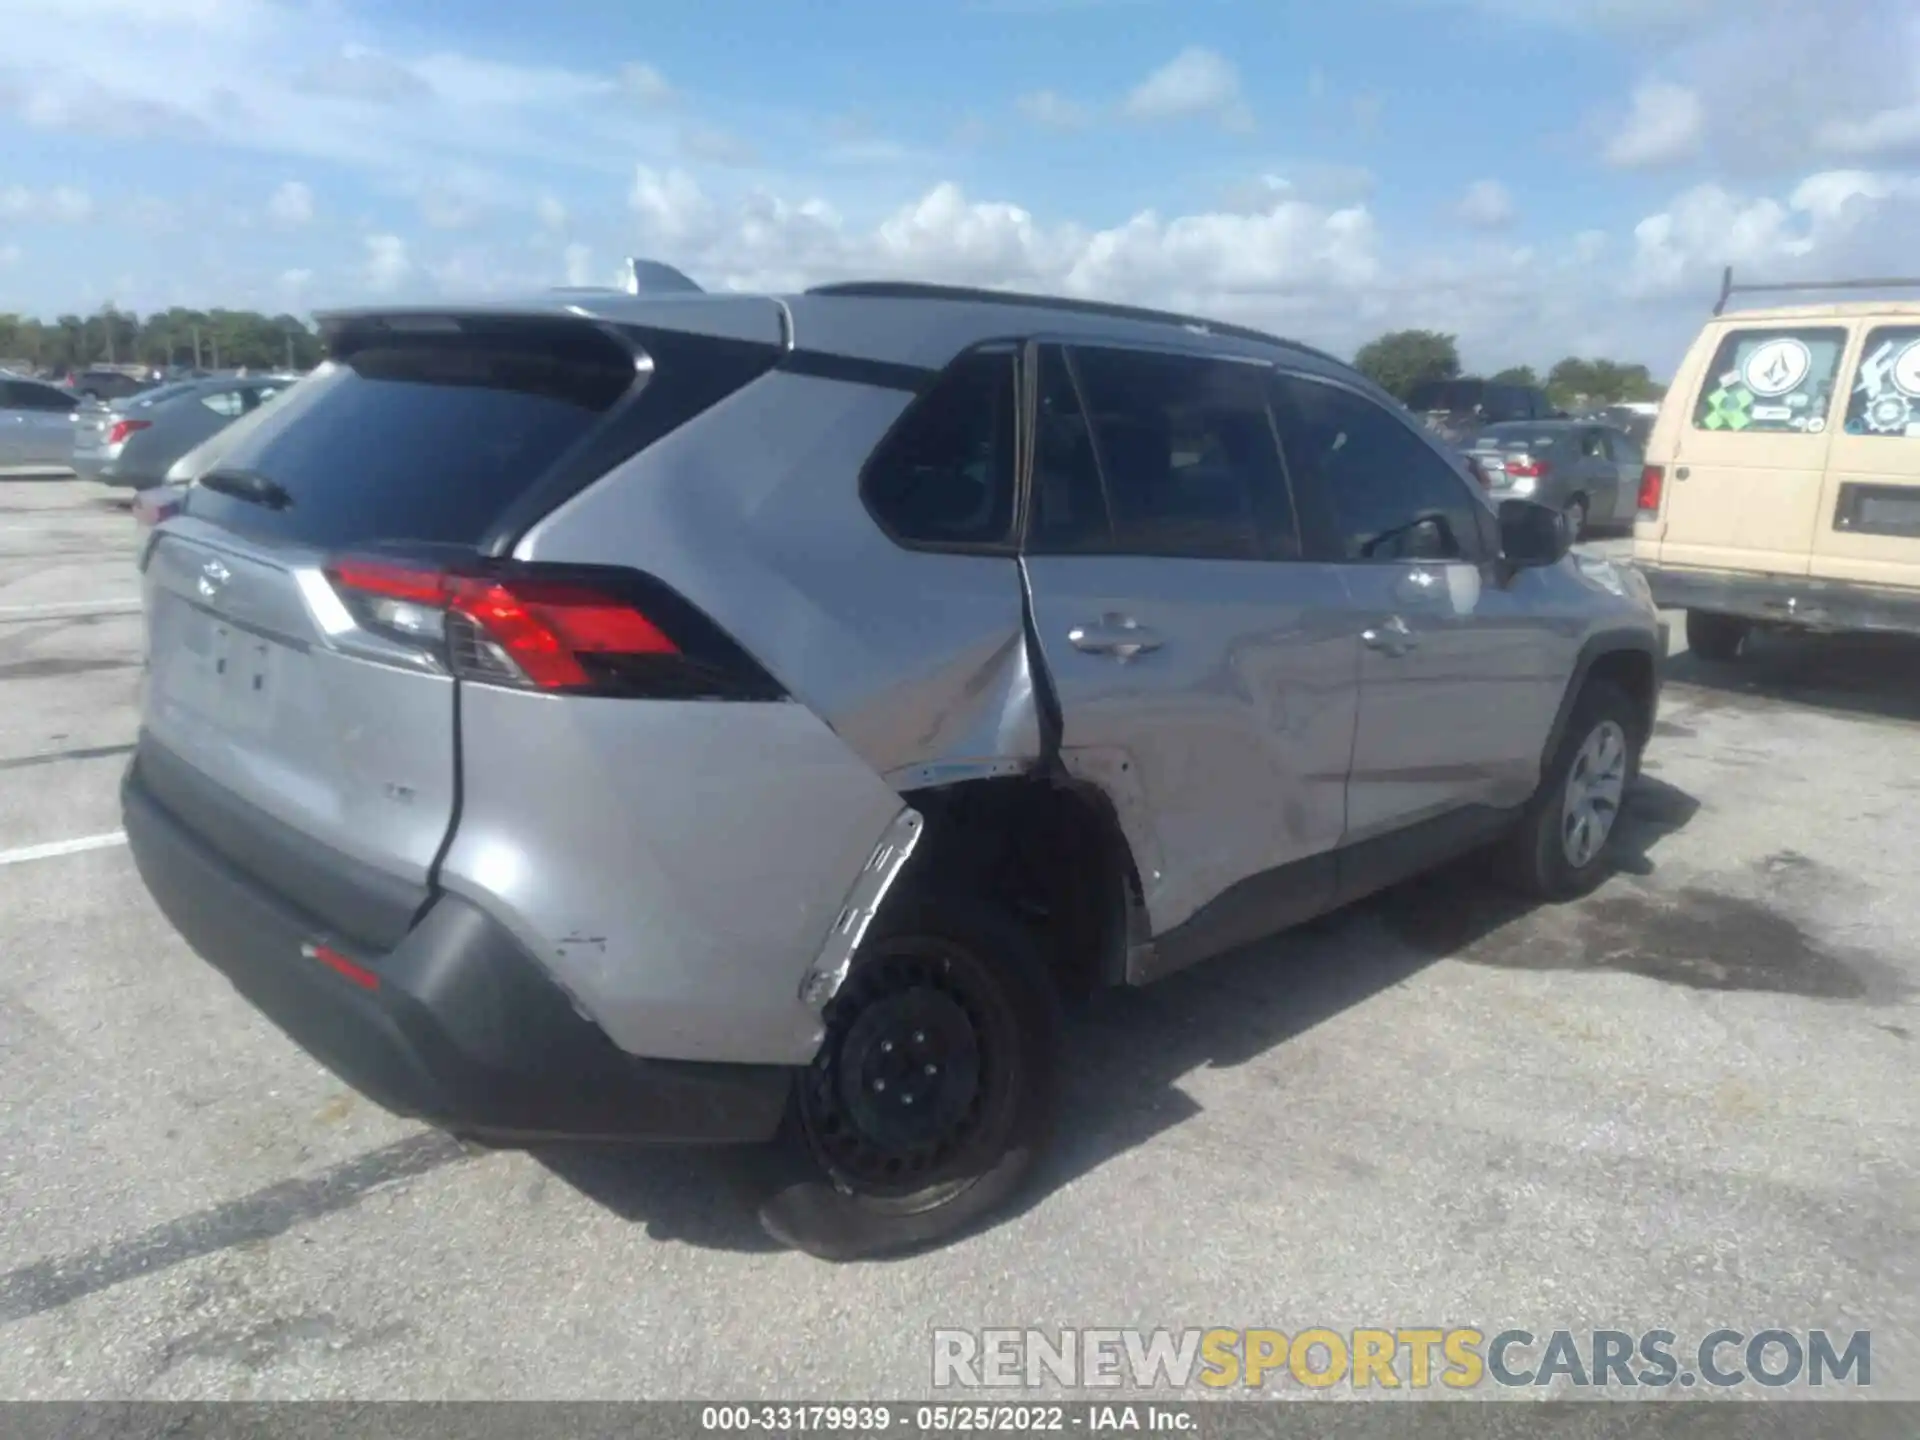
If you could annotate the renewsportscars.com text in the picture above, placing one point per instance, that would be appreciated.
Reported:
(1396, 1358)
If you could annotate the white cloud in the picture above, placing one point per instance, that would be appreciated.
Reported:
(10, 255)
(1892, 132)
(388, 263)
(62, 205)
(1487, 206)
(1831, 223)
(291, 204)
(1053, 110)
(715, 147)
(355, 72)
(671, 206)
(552, 213)
(1663, 127)
(1196, 83)
(579, 262)
(646, 84)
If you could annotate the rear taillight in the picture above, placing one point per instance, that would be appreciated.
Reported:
(1653, 480)
(123, 428)
(553, 628)
(1525, 467)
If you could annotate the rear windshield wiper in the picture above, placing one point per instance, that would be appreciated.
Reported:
(248, 485)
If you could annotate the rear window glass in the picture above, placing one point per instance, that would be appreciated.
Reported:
(431, 437)
(1773, 381)
(1447, 395)
(1885, 399)
(1507, 437)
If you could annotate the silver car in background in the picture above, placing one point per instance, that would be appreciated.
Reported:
(36, 426)
(1588, 472)
(133, 443)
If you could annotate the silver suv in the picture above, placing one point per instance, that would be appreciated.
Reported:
(738, 718)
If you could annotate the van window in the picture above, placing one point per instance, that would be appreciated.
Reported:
(1885, 399)
(1774, 381)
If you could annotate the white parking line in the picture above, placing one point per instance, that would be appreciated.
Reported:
(55, 609)
(56, 848)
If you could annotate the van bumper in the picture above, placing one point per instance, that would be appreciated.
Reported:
(457, 1025)
(1789, 600)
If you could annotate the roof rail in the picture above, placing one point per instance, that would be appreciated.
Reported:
(1728, 289)
(914, 290)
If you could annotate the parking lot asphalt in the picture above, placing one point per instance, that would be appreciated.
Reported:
(1687, 1102)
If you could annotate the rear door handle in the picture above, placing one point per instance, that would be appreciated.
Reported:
(1120, 636)
(1391, 637)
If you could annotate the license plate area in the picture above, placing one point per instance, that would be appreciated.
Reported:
(228, 675)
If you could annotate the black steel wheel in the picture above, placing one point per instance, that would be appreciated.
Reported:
(932, 1087)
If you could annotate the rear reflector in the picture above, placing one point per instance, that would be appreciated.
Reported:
(550, 628)
(1653, 481)
(123, 428)
(342, 966)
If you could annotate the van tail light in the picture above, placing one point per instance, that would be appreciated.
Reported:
(123, 428)
(563, 629)
(1653, 481)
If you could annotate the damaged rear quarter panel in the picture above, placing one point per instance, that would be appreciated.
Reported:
(753, 512)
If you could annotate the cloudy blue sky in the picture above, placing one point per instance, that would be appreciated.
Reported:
(1537, 176)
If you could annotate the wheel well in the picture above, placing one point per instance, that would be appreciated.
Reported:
(1632, 672)
(1052, 850)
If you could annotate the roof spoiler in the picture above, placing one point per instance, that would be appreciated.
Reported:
(1728, 289)
(640, 277)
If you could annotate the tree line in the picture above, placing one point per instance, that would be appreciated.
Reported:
(1402, 359)
(200, 339)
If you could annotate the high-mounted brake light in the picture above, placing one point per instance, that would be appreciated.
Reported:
(526, 630)
(1653, 481)
(123, 428)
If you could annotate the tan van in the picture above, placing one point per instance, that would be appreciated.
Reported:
(1782, 485)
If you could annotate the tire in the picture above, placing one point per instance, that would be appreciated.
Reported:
(1716, 637)
(949, 1005)
(1576, 513)
(1602, 743)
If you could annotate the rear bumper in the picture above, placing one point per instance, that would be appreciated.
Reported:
(1797, 601)
(457, 1025)
(103, 471)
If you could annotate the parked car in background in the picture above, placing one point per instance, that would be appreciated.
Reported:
(131, 445)
(110, 385)
(1783, 481)
(1458, 410)
(36, 427)
(1588, 472)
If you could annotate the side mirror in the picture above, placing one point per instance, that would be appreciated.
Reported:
(1533, 535)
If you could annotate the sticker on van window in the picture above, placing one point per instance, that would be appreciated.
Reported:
(1771, 381)
(1886, 391)
(1777, 367)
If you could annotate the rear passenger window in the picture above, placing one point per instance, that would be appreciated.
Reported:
(944, 475)
(1155, 454)
(1885, 399)
(1773, 381)
(1387, 493)
(224, 402)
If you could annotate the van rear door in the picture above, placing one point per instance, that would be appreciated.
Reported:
(1748, 465)
(1869, 529)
